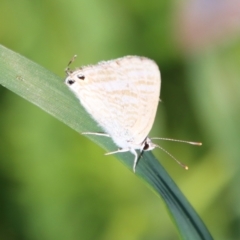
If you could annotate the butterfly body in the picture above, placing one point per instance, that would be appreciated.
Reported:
(122, 96)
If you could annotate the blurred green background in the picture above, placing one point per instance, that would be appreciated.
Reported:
(56, 184)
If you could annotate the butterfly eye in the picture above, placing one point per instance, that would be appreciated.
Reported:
(146, 146)
(80, 76)
(70, 81)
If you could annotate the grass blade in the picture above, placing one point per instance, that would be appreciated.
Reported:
(47, 91)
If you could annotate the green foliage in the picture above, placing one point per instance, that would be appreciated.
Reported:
(47, 91)
(56, 184)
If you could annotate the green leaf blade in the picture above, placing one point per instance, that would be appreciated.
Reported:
(47, 91)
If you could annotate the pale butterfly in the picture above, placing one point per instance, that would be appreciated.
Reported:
(122, 96)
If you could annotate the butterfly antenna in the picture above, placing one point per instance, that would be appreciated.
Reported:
(181, 141)
(67, 70)
(169, 154)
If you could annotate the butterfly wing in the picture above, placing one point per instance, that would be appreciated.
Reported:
(122, 95)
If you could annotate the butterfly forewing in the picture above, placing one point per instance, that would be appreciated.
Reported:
(122, 96)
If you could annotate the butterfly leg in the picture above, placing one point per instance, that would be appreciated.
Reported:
(136, 158)
(96, 134)
(127, 150)
(118, 151)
